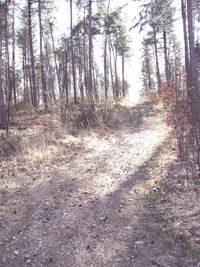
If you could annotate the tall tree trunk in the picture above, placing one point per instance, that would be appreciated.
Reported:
(32, 58)
(24, 74)
(80, 68)
(123, 76)
(66, 76)
(85, 65)
(106, 80)
(43, 83)
(114, 50)
(8, 69)
(50, 74)
(111, 70)
(2, 99)
(95, 87)
(90, 48)
(167, 74)
(156, 55)
(184, 18)
(193, 63)
(72, 53)
(55, 59)
(193, 82)
(2, 105)
(13, 56)
(105, 68)
(149, 86)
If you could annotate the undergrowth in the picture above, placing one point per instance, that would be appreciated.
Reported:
(38, 139)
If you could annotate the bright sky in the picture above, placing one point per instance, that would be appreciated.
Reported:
(133, 67)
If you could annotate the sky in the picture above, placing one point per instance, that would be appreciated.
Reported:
(133, 66)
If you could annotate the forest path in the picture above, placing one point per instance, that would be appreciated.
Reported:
(94, 208)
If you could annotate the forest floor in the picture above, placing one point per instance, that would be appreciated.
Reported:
(112, 197)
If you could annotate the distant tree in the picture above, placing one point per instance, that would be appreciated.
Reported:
(147, 68)
(159, 15)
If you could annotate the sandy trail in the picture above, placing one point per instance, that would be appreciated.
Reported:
(89, 210)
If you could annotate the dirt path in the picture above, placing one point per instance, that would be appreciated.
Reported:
(95, 207)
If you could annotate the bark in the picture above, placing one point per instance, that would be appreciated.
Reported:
(55, 59)
(32, 58)
(105, 68)
(2, 99)
(90, 47)
(95, 88)
(50, 74)
(85, 57)
(66, 77)
(8, 69)
(43, 78)
(111, 70)
(156, 55)
(193, 63)
(123, 78)
(149, 77)
(106, 80)
(80, 68)
(72, 53)
(184, 18)
(167, 74)
(13, 56)
(114, 50)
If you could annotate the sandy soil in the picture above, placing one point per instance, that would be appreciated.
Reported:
(103, 205)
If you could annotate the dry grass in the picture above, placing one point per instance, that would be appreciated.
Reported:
(23, 151)
(37, 139)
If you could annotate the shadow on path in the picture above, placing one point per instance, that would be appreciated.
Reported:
(62, 223)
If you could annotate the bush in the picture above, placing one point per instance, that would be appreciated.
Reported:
(82, 116)
(9, 145)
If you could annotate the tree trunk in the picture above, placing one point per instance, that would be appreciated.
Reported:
(111, 70)
(13, 56)
(8, 69)
(72, 53)
(106, 80)
(66, 77)
(80, 68)
(32, 58)
(156, 55)
(184, 18)
(2, 99)
(50, 74)
(193, 63)
(55, 59)
(43, 78)
(167, 74)
(115, 68)
(123, 78)
(149, 77)
(90, 48)
(85, 65)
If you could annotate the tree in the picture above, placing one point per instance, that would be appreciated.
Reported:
(32, 57)
(72, 52)
(159, 15)
(147, 68)
(43, 78)
(90, 51)
(2, 38)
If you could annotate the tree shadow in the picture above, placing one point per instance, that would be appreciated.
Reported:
(71, 226)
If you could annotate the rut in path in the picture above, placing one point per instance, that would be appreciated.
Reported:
(91, 210)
